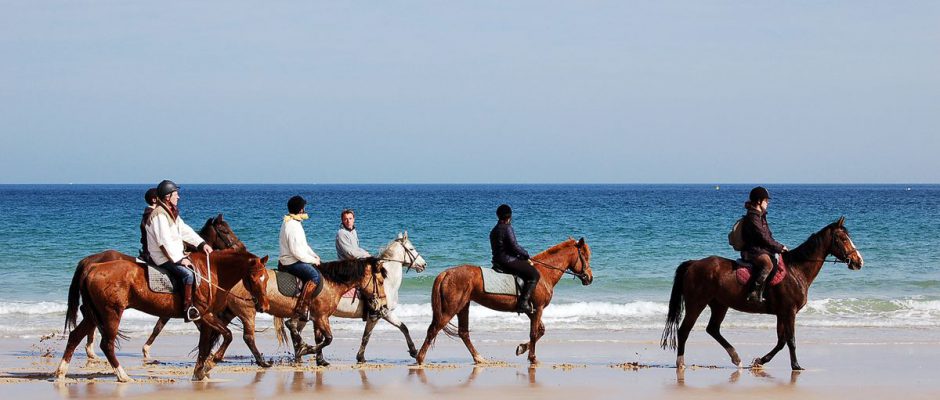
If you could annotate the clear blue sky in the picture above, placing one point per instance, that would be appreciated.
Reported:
(489, 92)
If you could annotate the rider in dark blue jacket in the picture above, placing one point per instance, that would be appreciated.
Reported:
(511, 257)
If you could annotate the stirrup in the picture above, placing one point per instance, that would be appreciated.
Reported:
(192, 314)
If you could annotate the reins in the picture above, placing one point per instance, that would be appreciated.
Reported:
(212, 285)
(566, 270)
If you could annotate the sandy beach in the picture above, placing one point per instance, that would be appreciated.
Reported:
(841, 363)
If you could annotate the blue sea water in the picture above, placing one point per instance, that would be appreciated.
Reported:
(638, 235)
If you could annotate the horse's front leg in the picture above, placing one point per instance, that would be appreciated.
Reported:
(393, 319)
(211, 327)
(781, 340)
(366, 334)
(536, 331)
(90, 347)
(226, 318)
(790, 329)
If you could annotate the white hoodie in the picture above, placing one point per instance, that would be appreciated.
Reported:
(294, 245)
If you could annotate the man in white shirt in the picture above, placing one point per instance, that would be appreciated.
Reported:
(296, 256)
(166, 233)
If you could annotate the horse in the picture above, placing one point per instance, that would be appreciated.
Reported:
(216, 232)
(456, 287)
(399, 253)
(337, 278)
(107, 289)
(712, 282)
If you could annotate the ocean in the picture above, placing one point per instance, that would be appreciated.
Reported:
(638, 235)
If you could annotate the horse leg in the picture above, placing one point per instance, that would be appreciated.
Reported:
(393, 319)
(248, 323)
(225, 318)
(536, 331)
(714, 329)
(463, 330)
(318, 338)
(361, 355)
(90, 346)
(692, 311)
(781, 340)
(438, 322)
(322, 326)
(790, 329)
(212, 326)
(295, 326)
(84, 328)
(109, 333)
(153, 335)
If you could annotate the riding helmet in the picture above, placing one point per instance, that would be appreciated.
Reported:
(296, 204)
(758, 194)
(166, 187)
(503, 211)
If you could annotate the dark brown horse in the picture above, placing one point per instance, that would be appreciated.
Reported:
(711, 282)
(216, 232)
(107, 289)
(456, 287)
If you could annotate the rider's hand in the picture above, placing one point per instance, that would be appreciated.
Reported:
(186, 262)
(207, 249)
(530, 262)
(786, 249)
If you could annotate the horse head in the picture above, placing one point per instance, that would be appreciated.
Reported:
(405, 253)
(581, 266)
(842, 247)
(219, 234)
(372, 285)
(256, 281)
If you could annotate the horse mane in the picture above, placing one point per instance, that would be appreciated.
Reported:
(385, 249)
(805, 250)
(554, 250)
(345, 271)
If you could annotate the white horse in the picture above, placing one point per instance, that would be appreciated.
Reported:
(399, 254)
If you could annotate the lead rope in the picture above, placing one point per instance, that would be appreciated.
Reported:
(209, 272)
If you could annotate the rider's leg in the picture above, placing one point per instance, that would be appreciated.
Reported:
(186, 277)
(311, 279)
(762, 265)
(530, 277)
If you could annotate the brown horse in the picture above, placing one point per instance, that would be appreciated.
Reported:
(216, 232)
(456, 287)
(711, 282)
(107, 289)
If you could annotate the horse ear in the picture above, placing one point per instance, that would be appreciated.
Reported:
(581, 242)
(210, 221)
(406, 234)
(399, 236)
(841, 221)
(264, 260)
(219, 217)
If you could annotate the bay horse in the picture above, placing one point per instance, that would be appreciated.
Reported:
(336, 277)
(400, 253)
(712, 282)
(216, 232)
(107, 289)
(456, 287)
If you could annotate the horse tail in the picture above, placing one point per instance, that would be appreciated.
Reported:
(437, 305)
(675, 308)
(71, 313)
(279, 331)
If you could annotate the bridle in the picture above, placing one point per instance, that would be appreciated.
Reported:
(223, 237)
(580, 275)
(410, 257)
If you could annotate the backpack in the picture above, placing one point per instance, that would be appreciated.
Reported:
(736, 237)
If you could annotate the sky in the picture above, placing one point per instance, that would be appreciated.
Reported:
(470, 92)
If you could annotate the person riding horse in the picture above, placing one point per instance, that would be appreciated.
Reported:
(151, 198)
(297, 258)
(509, 256)
(760, 248)
(166, 233)
(347, 247)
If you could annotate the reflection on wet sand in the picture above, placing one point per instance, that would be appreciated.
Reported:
(736, 376)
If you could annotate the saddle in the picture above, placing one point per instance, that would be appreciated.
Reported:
(159, 279)
(289, 285)
(743, 271)
(497, 281)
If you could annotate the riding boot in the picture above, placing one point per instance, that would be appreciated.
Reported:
(757, 293)
(522, 304)
(302, 309)
(190, 313)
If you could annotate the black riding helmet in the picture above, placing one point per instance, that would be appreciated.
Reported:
(166, 187)
(296, 204)
(758, 194)
(503, 211)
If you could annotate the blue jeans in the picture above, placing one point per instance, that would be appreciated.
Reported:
(180, 272)
(304, 271)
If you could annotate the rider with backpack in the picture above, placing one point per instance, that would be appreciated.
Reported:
(759, 247)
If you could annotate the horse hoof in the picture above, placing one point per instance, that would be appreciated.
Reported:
(522, 348)
(360, 360)
(797, 368)
(533, 362)
(413, 353)
(264, 364)
(757, 364)
(323, 363)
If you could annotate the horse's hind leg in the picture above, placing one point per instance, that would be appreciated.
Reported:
(366, 333)
(153, 335)
(109, 333)
(692, 311)
(438, 322)
(84, 328)
(322, 329)
(463, 330)
(295, 327)
(714, 329)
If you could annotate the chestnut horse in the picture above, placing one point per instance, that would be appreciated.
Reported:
(107, 289)
(456, 287)
(397, 255)
(216, 232)
(712, 282)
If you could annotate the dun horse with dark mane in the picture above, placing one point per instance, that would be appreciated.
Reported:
(711, 282)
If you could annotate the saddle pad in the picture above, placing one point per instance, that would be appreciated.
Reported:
(500, 283)
(743, 272)
(159, 279)
(287, 284)
(350, 294)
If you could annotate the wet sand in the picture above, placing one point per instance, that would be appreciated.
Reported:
(841, 363)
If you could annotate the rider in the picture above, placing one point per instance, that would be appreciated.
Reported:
(513, 258)
(166, 233)
(151, 198)
(760, 248)
(296, 256)
(347, 246)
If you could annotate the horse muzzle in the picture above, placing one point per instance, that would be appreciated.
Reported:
(586, 280)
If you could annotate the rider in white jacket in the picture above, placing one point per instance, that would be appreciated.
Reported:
(296, 255)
